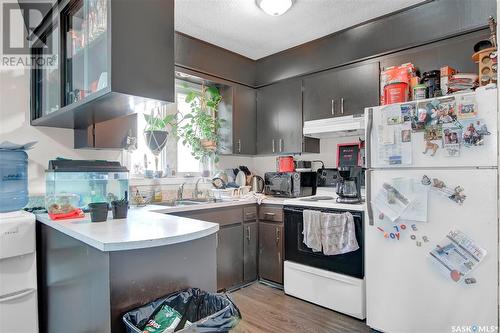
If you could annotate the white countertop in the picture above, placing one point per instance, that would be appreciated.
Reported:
(141, 229)
(144, 227)
(328, 204)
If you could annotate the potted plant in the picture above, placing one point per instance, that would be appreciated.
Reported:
(200, 130)
(156, 133)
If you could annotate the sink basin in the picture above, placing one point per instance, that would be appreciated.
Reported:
(187, 202)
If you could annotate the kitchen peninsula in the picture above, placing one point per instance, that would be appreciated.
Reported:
(89, 274)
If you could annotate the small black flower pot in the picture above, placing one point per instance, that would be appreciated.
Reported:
(119, 209)
(98, 211)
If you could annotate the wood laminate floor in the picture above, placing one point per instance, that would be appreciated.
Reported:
(266, 309)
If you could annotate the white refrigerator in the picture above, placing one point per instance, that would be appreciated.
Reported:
(408, 290)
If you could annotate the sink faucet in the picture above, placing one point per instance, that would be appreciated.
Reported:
(180, 191)
(196, 191)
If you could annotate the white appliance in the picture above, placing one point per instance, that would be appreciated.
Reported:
(405, 289)
(335, 127)
(18, 285)
(335, 282)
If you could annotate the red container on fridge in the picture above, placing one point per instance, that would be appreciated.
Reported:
(396, 93)
(285, 164)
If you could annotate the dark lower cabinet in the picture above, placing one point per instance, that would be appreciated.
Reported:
(229, 256)
(271, 251)
(250, 251)
(250, 243)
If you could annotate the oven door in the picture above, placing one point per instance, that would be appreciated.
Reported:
(350, 264)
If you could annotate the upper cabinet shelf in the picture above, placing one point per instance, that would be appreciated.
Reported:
(112, 55)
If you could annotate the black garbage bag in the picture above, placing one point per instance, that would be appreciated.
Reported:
(208, 312)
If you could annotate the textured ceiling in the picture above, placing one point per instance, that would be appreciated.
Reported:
(240, 26)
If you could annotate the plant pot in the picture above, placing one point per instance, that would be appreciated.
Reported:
(209, 145)
(98, 211)
(119, 209)
(156, 140)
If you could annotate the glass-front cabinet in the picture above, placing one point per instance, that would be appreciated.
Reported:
(47, 80)
(111, 56)
(86, 49)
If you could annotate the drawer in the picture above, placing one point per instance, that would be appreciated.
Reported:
(222, 216)
(271, 213)
(250, 213)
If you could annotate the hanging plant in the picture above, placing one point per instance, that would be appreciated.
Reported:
(200, 131)
(155, 133)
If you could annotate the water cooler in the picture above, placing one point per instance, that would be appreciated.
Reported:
(18, 286)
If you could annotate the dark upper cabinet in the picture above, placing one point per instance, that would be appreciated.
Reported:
(267, 120)
(279, 120)
(244, 120)
(341, 92)
(112, 55)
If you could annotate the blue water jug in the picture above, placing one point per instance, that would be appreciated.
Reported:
(13, 180)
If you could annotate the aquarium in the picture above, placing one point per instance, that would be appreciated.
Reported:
(75, 184)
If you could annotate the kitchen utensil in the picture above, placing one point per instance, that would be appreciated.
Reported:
(222, 175)
(218, 183)
(241, 179)
(230, 175)
(245, 190)
(285, 164)
(257, 184)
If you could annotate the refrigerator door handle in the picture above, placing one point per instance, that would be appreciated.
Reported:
(16, 295)
(368, 195)
(368, 139)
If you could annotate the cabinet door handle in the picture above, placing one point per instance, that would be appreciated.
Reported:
(277, 233)
(239, 145)
(273, 146)
(279, 258)
(250, 215)
(281, 145)
(217, 240)
(342, 105)
(333, 107)
(269, 214)
(248, 234)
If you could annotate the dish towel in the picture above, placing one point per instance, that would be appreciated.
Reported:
(312, 229)
(338, 235)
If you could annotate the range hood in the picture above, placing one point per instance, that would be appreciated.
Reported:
(335, 127)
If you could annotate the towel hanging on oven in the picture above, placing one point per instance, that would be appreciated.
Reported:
(338, 235)
(312, 229)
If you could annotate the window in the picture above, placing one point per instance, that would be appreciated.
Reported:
(186, 163)
(175, 156)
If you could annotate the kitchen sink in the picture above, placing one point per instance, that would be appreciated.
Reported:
(186, 202)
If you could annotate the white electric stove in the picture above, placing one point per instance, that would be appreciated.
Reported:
(335, 282)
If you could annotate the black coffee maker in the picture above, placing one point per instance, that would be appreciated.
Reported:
(349, 186)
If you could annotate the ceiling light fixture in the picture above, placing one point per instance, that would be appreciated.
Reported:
(275, 7)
